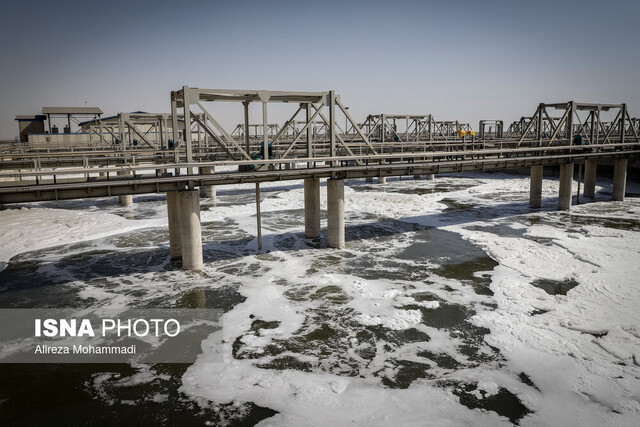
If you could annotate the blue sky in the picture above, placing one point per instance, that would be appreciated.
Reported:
(464, 60)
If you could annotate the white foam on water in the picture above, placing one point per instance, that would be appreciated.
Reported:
(597, 376)
(582, 353)
(324, 399)
(28, 229)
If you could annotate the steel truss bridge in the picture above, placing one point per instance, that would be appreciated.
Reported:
(312, 143)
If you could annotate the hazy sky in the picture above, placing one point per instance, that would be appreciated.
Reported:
(464, 60)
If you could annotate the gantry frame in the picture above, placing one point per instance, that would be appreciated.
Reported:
(313, 103)
(385, 128)
(495, 129)
(562, 121)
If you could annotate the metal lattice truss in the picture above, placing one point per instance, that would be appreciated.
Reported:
(126, 130)
(255, 131)
(319, 128)
(633, 126)
(557, 123)
(516, 128)
(411, 128)
(291, 140)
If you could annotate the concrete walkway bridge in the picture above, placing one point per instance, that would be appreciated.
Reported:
(187, 153)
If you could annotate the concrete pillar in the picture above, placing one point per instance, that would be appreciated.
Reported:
(431, 176)
(335, 212)
(382, 180)
(312, 208)
(208, 191)
(590, 167)
(368, 179)
(619, 179)
(173, 212)
(127, 199)
(566, 184)
(190, 231)
(535, 187)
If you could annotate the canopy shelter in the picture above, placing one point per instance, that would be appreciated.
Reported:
(71, 114)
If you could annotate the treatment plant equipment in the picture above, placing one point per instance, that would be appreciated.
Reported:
(559, 134)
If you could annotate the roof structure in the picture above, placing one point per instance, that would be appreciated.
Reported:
(249, 95)
(71, 110)
(113, 118)
(31, 118)
(139, 117)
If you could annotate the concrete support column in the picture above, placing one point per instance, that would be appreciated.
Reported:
(190, 231)
(590, 167)
(312, 208)
(566, 184)
(335, 212)
(382, 180)
(208, 191)
(431, 176)
(535, 187)
(127, 199)
(619, 179)
(173, 212)
(368, 179)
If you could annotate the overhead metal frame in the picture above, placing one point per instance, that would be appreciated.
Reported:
(258, 132)
(411, 128)
(490, 129)
(72, 114)
(151, 128)
(192, 103)
(560, 122)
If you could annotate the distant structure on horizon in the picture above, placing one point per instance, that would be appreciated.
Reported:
(34, 124)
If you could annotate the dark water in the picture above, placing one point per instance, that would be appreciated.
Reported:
(428, 265)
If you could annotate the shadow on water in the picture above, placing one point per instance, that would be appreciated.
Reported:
(108, 394)
(147, 250)
(101, 394)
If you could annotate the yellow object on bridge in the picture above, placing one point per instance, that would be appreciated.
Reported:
(461, 133)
